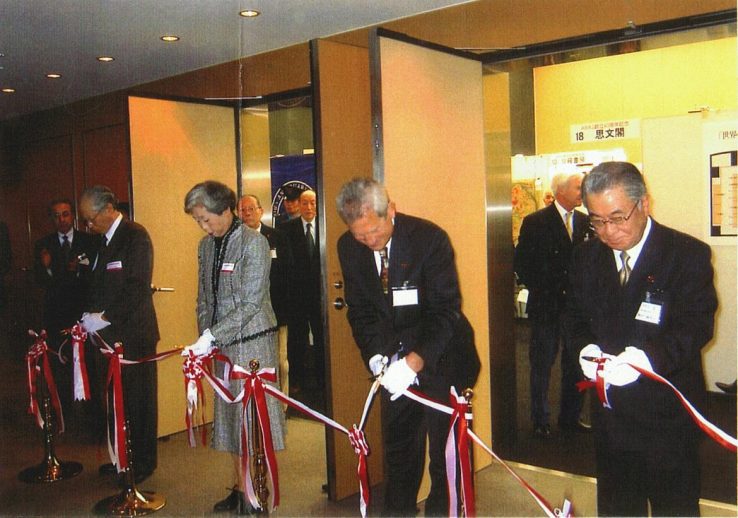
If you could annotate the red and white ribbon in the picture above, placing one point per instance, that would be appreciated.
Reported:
(421, 398)
(712, 431)
(38, 352)
(81, 382)
(458, 453)
(193, 368)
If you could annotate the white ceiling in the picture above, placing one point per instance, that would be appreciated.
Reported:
(65, 36)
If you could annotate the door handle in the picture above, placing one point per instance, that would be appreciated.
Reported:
(338, 285)
(339, 303)
(154, 289)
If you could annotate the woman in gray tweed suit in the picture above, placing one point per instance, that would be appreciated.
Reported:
(234, 313)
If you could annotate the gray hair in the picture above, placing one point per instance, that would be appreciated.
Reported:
(559, 181)
(609, 175)
(99, 196)
(214, 196)
(360, 195)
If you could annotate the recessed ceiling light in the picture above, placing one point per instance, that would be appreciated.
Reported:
(249, 13)
(8, 90)
(169, 38)
(53, 75)
(105, 59)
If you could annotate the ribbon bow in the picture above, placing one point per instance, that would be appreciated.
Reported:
(361, 448)
(457, 447)
(38, 353)
(117, 446)
(193, 369)
(81, 382)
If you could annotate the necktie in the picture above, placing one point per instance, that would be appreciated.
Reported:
(569, 227)
(384, 271)
(310, 240)
(625, 270)
(66, 248)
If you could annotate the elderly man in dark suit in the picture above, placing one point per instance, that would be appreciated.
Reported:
(305, 312)
(250, 212)
(547, 238)
(642, 294)
(404, 307)
(121, 294)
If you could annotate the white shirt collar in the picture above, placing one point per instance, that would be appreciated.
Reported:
(111, 231)
(562, 211)
(635, 251)
(70, 236)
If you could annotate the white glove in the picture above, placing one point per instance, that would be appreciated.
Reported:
(589, 367)
(618, 373)
(203, 345)
(92, 322)
(398, 377)
(377, 363)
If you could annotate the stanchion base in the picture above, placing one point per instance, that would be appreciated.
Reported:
(50, 471)
(131, 502)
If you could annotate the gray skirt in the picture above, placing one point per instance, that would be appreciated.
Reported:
(227, 422)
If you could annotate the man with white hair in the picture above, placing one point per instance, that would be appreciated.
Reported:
(547, 238)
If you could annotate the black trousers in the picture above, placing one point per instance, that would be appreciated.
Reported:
(628, 481)
(298, 341)
(405, 426)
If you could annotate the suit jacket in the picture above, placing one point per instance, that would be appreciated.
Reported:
(244, 307)
(122, 288)
(65, 291)
(542, 258)
(279, 284)
(675, 270)
(421, 257)
(304, 275)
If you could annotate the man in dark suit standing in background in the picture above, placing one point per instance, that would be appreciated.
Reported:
(62, 266)
(547, 238)
(642, 294)
(305, 311)
(250, 212)
(121, 295)
(404, 307)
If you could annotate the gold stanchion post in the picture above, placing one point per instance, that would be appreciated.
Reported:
(259, 461)
(50, 469)
(468, 394)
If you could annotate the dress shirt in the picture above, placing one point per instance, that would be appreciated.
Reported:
(634, 252)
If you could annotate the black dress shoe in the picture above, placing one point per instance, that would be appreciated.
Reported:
(728, 388)
(542, 431)
(235, 502)
(107, 469)
(577, 426)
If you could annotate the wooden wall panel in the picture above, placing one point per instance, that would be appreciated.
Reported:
(107, 159)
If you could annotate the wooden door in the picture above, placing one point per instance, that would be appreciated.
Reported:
(175, 145)
(343, 149)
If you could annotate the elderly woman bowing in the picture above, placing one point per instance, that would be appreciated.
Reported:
(234, 313)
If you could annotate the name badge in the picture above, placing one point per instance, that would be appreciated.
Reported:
(405, 296)
(649, 312)
(273, 253)
(228, 267)
(115, 265)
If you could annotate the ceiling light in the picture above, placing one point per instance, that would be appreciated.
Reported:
(169, 38)
(249, 13)
(8, 90)
(105, 59)
(53, 75)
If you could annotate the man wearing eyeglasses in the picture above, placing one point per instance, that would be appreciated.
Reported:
(121, 298)
(642, 295)
(547, 238)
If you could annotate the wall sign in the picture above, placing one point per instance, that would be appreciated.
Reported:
(605, 131)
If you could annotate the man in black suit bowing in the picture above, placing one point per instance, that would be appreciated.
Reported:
(404, 307)
(305, 312)
(547, 238)
(121, 294)
(642, 294)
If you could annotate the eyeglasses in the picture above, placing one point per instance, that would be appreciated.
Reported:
(599, 223)
(89, 221)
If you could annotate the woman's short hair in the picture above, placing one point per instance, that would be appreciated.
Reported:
(214, 196)
(359, 195)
